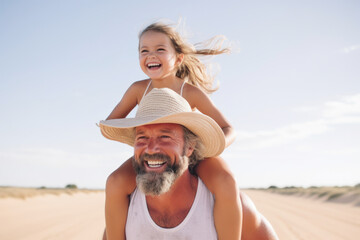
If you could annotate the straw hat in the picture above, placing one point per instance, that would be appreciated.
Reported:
(163, 105)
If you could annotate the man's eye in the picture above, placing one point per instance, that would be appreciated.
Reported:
(140, 138)
(165, 136)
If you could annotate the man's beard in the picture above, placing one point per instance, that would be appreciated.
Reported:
(154, 183)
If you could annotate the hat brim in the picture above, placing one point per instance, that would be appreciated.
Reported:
(209, 132)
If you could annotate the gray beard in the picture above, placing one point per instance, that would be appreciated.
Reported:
(154, 184)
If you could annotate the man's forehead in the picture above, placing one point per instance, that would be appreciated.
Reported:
(163, 127)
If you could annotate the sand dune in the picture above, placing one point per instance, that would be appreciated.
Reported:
(81, 216)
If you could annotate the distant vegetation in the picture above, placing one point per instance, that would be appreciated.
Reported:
(327, 193)
(71, 186)
(23, 193)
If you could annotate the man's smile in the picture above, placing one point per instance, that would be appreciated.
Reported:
(155, 163)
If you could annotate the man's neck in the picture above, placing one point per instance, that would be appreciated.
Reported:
(170, 209)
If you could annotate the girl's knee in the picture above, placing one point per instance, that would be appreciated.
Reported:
(218, 178)
(225, 180)
(121, 181)
(225, 186)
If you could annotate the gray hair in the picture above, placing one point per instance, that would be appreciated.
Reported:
(191, 139)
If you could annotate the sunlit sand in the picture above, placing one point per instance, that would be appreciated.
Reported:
(321, 214)
(29, 214)
(56, 215)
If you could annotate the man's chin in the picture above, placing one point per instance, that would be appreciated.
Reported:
(152, 183)
(156, 183)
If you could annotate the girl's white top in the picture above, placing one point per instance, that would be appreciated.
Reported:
(197, 225)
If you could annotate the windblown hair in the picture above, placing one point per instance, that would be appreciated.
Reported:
(192, 70)
(191, 139)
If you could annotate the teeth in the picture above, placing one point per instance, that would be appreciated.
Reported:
(155, 163)
(153, 65)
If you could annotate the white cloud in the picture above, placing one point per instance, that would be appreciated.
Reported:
(347, 106)
(260, 139)
(351, 48)
(346, 110)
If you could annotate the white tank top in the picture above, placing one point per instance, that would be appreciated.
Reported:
(197, 225)
(148, 86)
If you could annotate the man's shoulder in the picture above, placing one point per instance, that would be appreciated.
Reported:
(250, 213)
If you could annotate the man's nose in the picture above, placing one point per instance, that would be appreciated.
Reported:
(152, 146)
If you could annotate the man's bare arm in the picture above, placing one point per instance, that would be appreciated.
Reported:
(255, 225)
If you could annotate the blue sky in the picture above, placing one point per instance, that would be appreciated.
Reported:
(291, 87)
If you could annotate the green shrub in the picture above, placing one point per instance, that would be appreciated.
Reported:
(71, 186)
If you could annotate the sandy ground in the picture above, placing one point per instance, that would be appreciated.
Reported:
(298, 218)
(81, 216)
(71, 217)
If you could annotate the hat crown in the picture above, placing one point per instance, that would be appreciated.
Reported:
(166, 106)
(162, 102)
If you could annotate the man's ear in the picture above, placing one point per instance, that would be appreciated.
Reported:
(189, 150)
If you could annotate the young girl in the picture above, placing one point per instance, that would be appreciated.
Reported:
(170, 62)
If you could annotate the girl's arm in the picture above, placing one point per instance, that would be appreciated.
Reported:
(200, 100)
(128, 101)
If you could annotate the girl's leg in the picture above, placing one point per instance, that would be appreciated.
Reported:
(218, 178)
(120, 184)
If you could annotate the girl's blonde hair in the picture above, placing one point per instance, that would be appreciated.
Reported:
(191, 69)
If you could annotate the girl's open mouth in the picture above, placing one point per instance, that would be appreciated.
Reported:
(154, 65)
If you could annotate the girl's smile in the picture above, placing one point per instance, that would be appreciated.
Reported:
(154, 65)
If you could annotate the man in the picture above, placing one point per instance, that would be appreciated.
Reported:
(170, 202)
